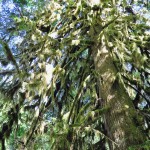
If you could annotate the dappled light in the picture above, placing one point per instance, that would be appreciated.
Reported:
(74, 75)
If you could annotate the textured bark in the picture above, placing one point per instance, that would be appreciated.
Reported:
(119, 119)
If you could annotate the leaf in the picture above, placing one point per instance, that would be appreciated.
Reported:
(75, 42)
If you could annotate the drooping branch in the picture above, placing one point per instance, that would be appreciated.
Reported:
(9, 54)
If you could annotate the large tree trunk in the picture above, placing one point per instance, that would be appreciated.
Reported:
(121, 113)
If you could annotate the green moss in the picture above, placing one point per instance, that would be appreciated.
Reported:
(143, 146)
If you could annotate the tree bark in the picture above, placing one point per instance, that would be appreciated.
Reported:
(119, 119)
(3, 144)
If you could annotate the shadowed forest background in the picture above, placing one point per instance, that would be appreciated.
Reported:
(74, 74)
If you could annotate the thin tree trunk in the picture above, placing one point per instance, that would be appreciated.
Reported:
(119, 119)
(3, 144)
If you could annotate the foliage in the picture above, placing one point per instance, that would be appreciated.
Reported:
(49, 90)
(144, 146)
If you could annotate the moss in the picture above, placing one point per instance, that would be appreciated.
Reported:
(143, 146)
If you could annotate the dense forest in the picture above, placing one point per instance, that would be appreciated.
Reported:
(75, 74)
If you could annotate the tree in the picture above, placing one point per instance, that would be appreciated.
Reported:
(80, 80)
